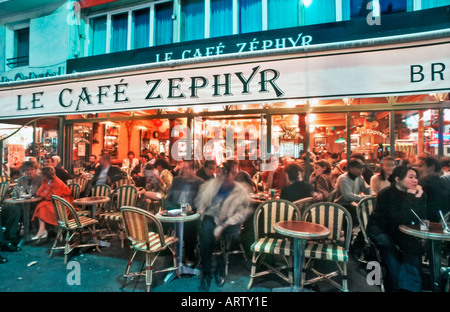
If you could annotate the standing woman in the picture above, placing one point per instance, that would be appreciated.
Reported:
(401, 253)
(51, 185)
(384, 178)
(321, 180)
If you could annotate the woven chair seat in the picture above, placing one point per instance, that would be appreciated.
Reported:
(72, 224)
(326, 252)
(84, 213)
(274, 246)
(155, 242)
(114, 216)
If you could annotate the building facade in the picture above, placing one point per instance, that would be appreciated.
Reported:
(339, 76)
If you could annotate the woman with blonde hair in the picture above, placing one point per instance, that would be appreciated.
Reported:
(51, 185)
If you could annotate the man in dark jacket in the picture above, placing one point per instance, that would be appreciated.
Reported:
(296, 189)
(107, 173)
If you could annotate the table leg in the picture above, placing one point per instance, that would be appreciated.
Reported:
(182, 269)
(299, 253)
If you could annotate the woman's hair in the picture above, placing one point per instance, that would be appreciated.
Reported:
(324, 164)
(29, 164)
(382, 172)
(48, 172)
(400, 172)
(162, 162)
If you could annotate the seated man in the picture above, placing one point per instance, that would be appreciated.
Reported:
(11, 214)
(185, 187)
(107, 173)
(296, 189)
(92, 165)
(138, 172)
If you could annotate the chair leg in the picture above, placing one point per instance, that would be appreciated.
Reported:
(148, 272)
(56, 241)
(67, 247)
(127, 270)
(345, 278)
(253, 271)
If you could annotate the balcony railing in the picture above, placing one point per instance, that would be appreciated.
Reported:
(17, 61)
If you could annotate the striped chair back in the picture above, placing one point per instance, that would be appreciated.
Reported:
(64, 212)
(125, 195)
(121, 182)
(364, 210)
(76, 190)
(4, 178)
(101, 190)
(142, 228)
(4, 186)
(271, 212)
(332, 216)
(303, 203)
(82, 182)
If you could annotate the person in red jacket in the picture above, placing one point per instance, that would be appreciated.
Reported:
(51, 185)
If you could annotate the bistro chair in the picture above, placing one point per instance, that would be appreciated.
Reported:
(303, 203)
(101, 190)
(335, 247)
(267, 241)
(364, 210)
(73, 225)
(4, 188)
(125, 195)
(82, 182)
(76, 190)
(230, 244)
(145, 233)
(123, 181)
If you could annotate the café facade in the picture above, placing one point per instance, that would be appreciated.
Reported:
(316, 88)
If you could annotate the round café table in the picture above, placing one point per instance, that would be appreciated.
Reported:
(434, 233)
(25, 203)
(91, 202)
(300, 231)
(179, 221)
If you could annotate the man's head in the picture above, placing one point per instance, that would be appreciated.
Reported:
(143, 158)
(355, 167)
(187, 169)
(210, 168)
(357, 156)
(230, 168)
(105, 160)
(130, 155)
(293, 172)
(92, 158)
(48, 161)
(427, 165)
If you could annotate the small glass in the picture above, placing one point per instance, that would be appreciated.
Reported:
(425, 225)
(184, 209)
(272, 193)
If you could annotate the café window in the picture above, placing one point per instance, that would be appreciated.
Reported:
(416, 132)
(221, 18)
(119, 38)
(192, 20)
(98, 30)
(141, 28)
(359, 7)
(163, 32)
(370, 135)
(21, 48)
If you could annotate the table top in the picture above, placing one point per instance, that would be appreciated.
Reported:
(435, 231)
(177, 218)
(23, 200)
(301, 229)
(91, 200)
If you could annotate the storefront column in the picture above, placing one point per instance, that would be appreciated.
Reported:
(441, 132)
(67, 142)
(420, 134)
(348, 136)
(392, 133)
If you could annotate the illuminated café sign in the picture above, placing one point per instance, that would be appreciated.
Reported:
(265, 79)
(372, 132)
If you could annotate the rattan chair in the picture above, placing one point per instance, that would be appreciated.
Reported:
(230, 244)
(73, 225)
(76, 190)
(145, 233)
(82, 182)
(334, 248)
(303, 203)
(125, 195)
(101, 190)
(364, 210)
(121, 182)
(4, 188)
(267, 241)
